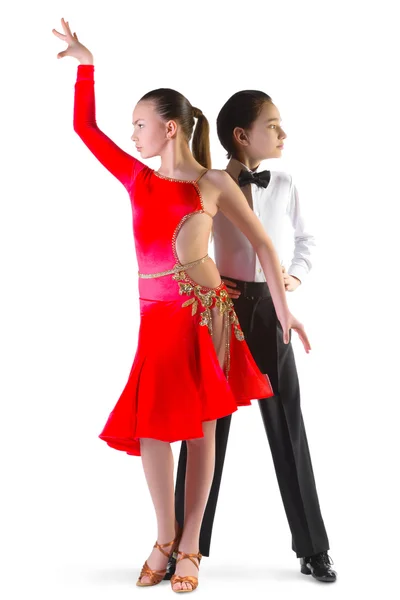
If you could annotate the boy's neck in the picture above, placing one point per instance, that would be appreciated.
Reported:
(250, 163)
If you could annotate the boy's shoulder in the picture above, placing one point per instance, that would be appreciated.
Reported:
(281, 178)
(282, 183)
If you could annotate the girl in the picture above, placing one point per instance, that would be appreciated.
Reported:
(192, 365)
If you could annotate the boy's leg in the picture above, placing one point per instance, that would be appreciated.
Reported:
(283, 422)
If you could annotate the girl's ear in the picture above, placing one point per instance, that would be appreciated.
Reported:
(171, 129)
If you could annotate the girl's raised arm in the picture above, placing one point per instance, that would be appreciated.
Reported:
(117, 161)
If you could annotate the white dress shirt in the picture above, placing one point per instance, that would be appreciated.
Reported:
(278, 208)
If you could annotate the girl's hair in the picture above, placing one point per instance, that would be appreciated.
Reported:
(241, 110)
(170, 104)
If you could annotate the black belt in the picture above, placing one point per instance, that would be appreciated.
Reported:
(251, 289)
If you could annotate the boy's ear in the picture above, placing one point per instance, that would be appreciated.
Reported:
(240, 136)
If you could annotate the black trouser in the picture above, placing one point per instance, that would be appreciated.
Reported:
(283, 422)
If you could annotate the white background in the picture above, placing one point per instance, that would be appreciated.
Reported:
(77, 517)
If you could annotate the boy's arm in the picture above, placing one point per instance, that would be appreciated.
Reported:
(304, 241)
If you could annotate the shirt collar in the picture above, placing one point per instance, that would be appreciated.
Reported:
(234, 167)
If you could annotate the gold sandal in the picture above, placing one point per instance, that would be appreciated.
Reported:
(194, 582)
(154, 575)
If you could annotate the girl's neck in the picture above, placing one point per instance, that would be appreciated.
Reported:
(177, 160)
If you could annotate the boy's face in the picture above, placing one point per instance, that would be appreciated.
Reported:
(265, 136)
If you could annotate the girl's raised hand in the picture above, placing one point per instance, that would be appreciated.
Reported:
(75, 48)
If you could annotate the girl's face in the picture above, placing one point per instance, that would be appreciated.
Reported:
(150, 132)
(265, 136)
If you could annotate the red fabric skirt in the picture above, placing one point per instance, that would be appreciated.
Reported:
(176, 381)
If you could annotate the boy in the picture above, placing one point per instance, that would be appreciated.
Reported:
(249, 129)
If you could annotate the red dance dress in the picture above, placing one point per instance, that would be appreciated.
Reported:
(176, 381)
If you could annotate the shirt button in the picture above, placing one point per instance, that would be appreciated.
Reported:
(259, 269)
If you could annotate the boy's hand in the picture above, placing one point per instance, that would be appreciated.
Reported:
(230, 286)
(291, 283)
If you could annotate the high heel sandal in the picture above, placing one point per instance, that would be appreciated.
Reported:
(156, 576)
(194, 582)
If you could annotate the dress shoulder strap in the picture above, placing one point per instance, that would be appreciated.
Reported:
(201, 175)
(197, 180)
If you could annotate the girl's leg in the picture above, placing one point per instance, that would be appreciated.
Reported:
(158, 465)
(199, 471)
(199, 475)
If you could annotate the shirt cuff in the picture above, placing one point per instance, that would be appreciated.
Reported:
(85, 73)
(298, 271)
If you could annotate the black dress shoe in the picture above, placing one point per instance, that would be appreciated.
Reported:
(319, 566)
(171, 566)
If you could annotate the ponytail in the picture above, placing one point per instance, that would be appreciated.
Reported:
(201, 139)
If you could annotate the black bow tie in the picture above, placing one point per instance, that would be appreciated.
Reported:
(261, 179)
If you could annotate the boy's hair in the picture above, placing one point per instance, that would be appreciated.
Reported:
(241, 110)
